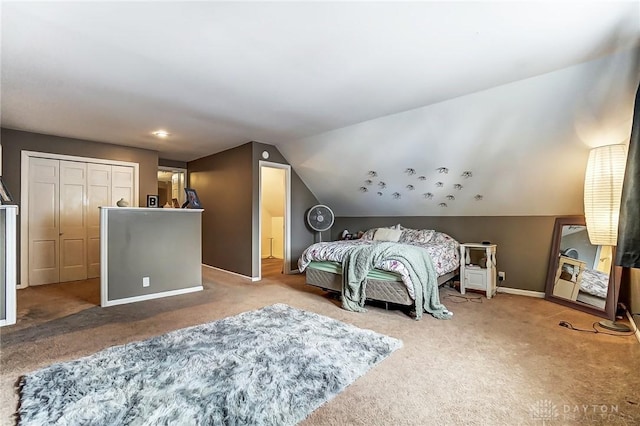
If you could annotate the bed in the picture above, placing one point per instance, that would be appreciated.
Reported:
(390, 280)
(594, 286)
(575, 281)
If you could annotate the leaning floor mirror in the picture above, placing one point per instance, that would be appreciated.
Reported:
(581, 275)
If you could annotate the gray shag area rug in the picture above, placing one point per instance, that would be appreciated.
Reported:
(272, 366)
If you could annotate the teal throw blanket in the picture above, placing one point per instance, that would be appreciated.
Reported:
(362, 259)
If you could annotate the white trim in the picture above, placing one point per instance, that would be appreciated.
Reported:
(520, 292)
(254, 279)
(24, 198)
(104, 259)
(636, 331)
(287, 214)
(10, 307)
(152, 296)
(152, 209)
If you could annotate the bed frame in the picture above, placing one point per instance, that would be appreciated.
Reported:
(385, 291)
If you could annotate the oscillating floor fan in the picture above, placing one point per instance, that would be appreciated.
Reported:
(320, 218)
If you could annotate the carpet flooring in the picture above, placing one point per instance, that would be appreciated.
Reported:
(503, 361)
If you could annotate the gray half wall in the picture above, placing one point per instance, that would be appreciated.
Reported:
(524, 242)
(162, 244)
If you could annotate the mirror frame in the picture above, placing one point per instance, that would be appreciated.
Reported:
(554, 258)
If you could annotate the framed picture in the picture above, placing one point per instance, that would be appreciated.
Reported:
(192, 199)
(5, 195)
(152, 201)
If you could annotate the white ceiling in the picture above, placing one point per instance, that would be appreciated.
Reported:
(514, 92)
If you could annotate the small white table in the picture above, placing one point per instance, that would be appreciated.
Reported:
(478, 277)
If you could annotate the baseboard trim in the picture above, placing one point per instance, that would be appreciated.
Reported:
(520, 292)
(636, 331)
(151, 296)
(254, 279)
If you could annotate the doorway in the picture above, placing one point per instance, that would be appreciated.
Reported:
(275, 200)
(171, 184)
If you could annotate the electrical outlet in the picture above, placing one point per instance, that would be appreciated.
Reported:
(145, 281)
(502, 276)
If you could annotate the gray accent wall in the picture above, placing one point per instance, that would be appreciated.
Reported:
(224, 182)
(15, 141)
(227, 184)
(172, 163)
(162, 244)
(524, 242)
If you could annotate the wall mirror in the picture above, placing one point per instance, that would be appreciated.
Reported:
(171, 184)
(581, 275)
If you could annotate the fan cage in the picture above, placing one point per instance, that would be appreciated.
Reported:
(323, 210)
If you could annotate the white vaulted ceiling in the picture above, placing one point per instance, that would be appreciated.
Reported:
(516, 93)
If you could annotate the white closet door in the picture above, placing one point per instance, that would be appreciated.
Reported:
(98, 195)
(122, 185)
(73, 221)
(44, 221)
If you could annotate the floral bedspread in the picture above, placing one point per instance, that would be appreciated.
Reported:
(444, 253)
(595, 282)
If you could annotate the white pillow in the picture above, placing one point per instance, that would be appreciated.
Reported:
(386, 234)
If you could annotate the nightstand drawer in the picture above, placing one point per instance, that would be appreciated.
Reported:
(476, 278)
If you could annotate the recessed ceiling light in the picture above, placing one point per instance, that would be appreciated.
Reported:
(161, 133)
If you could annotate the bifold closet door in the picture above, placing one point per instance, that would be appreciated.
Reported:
(73, 221)
(64, 216)
(122, 184)
(44, 221)
(98, 194)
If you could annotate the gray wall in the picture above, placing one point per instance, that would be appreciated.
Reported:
(524, 242)
(162, 244)
(228, 186)
(15, 141)
(172, 163)
(224, 182)
(3, 266)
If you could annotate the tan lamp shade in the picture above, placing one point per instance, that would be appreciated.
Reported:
(603, 191)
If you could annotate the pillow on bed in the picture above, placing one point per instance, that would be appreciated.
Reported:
(371, 232)
(386, 234)
(416, 235)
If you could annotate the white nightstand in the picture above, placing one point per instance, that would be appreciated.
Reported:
(474, 276)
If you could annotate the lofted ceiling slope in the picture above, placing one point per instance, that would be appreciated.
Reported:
(514, 93)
